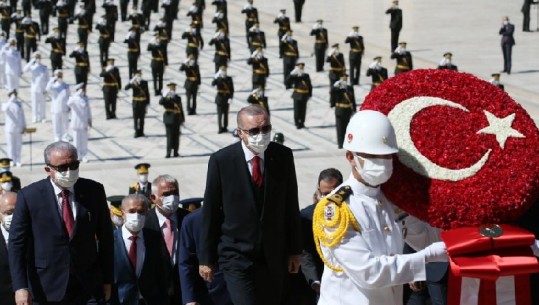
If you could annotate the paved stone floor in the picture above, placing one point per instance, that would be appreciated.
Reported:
(469, 29)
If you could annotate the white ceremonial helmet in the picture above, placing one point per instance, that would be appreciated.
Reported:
(370, 132)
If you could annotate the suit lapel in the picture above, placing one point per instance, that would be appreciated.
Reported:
(81, 202)
(244, 176)
(122, 255)
(51, 199)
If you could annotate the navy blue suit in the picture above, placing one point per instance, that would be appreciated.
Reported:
(44, 258)
(151, 284)
(194, 288)
(6, 293)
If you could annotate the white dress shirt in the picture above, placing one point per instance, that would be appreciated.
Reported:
(249, 155)
(141, 249)
(5, 233)
(58, 192)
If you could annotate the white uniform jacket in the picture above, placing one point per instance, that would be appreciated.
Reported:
(40, 76)
(60, 95)
(81, 113)
(14, 116)
(13, 62)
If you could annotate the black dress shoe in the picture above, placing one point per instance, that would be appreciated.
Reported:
(167, 156)
(176, 155)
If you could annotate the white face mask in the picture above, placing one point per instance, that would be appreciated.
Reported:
(259, 142)
(375, 171)
(505, 22)
(134, 222)
(117, 220)
(66, 179)
(6, 221)
(170, 203)
(6, 186)
(143, 178)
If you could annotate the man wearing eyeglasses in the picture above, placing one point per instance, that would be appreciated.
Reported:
(60, 241)
(250, 219)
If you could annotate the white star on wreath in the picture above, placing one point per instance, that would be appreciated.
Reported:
(501, 128)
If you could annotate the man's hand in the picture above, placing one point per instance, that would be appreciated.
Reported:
(417, 286)
(23, 297)
(294, 262)
(206, 272)
(107, 288)
(316, 287)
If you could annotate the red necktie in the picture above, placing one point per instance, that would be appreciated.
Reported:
(67, 212)
(257, 175)
(133, 252)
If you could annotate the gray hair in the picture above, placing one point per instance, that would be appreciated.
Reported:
(60, 145)
(166, 178)
(251, 110)
(136, 197)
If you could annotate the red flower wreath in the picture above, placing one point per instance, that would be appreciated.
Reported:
(468, 154)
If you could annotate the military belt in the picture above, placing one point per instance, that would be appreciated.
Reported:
(223, 91)
(256, 43)
(157, 58)
(283, 28)
(336, 69)
(83, 26)
(132, 50)
(5, 18)
(290, 54)
(63, 15)
(172, 110)
(19, 31)
(82, 64)
(192, 45)
(403, 67)
(320, 41)
(222, 53)
(251, 19)
(139, 99)
(301, 91)
(29, 36)
(109, 84)
(57, 51)
(192, 78)
(357, 50)
(343, 105)
(260, 71)
(104, 35)
(376, 83)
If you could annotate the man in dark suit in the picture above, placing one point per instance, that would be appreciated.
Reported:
(194, 289)
(508, 41)
(7, 206)
(142, 186)
(166, 219)
(68, 216)
(250, 218)
(173, 118)
(140, 101)
(225, 93)
(303, 90)
(138, 265)
(395, 24)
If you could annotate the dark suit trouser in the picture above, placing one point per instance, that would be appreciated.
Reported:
(191, 95)
(355, 67)
(110, 94)
(139, 113)
(31, 47)
(173, 138)
(75, 295)
(438, 291)
(319, 50)
(132, 59)
(300, 110)
(507, 50)
(341, 121)
(395, 39)
(222, 115)
(157, 75)
(252, 286)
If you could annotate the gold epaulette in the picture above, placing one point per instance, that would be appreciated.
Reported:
(135, 186)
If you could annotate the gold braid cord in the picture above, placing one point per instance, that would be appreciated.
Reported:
(333, 214)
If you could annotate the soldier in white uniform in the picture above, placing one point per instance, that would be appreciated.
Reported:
(59, 91)
(40, 78)
(13, 69)
(81, 119)
(365, 266)
(14, 126)
(3, 43)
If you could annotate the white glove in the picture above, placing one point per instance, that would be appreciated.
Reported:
(535, 248)
(436, 253)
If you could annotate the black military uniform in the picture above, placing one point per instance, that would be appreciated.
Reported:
(395, 24)
(345, 107)
(5, 167)
(256, 38)
(137, 21)
(357, 48)
(141, 100)
(123, 9)
(133, 50)
(26, 7)
(112, 83)
(303, 90)
(258, 97)
(377, 73)
(62, 11)
(284, 24)
(45, 11)
(83, 30)
(105, 38)
(146, 9)
(71, 8)
(173, 118)
(251, 17)
(221, 5)
(82, 64)
(194, 42)
(496, 81)
(221, 22)
(164, 38)
(157, 64)
(5, 18)
(196, 16)
(446, 64)
(32, 33)
(289, 52)
(404, 60)
(320, 44)
(58, 49)
(111, 13)
(19, 30)
(139, 187)
(298, 8)
(260, 68)
(222, 50)
(192, 83)
(337, 68)
(225, 92)
(168, 15)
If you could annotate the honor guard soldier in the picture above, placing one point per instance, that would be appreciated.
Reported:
(3, 45)
(82, 63)
(81, 120)
(222, 49)
(137, 20)
(345, 106)
(192, 83)
(320, 44)
(446, 62)
(173, 118)
(133, 49)
(357, 48)
(32, 34)
(257, 97)
(58, 49)
(164, 37)
(283, 22)
(40, 78)
(71, 8)
(225, 93)
(256, 38)
(192, 204)
(112, 83)
(404, 59)
(90, 10)
(13, 66)
(14, 126)
(123, 9)
(5, 17)
(303, 90)
(26, 7)
(115, 208)
(111, 13)
(377, 72)
(196, 16)
(45, 11)
(337, 68)
(59, 92)
(395, 24)
(220, 22)
(222, 6)
(260, 68)
(146, 8)
(251, 17)
(5, 166)
(104, 39)
(62, 10)
(83, 17)
(142, 186)
(495, 80)
(298, 7)
(158, 63)
(194, 41)
(6, 183)
(168, 14)
(19, 30)
(289, 52)
(141, 101)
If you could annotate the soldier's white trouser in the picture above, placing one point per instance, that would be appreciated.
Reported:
(2, 75)
(38, 105)
(12, 82)
(80, 141)
(14, 146)
(59, 126)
